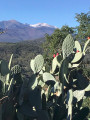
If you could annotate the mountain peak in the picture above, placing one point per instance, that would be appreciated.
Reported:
(42, 25)
(17, 31)
(13, 21)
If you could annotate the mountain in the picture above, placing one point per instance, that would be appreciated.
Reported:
(38, 25)
(16, 31)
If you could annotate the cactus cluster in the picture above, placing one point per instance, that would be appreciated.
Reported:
(53, 95)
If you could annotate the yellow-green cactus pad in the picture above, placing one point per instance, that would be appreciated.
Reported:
(78, 46)
(32, 65)
(77, 57)
(56, 62)
(48, 78)
(37, 64)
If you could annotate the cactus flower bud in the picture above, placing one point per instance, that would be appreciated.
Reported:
(54, 55)
(57, 54)
(77, 51)
(88, 38)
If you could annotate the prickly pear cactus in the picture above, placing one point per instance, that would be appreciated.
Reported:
(48, 78)
(69, 104)
(9, 66)
(56, 63)
(63, 71)
(4, 68)
(79, 53)
(78, 94)
(85, 46)
(87, 88)
(77, 47)
(16, 69)
(63, 75)
(58, 88)
(67, 46)
(37, 64)
(77, 57)
(32, 65)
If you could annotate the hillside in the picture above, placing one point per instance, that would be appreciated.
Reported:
(23, 53)
(16, 31)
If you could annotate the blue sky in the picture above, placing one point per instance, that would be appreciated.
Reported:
(53, 12)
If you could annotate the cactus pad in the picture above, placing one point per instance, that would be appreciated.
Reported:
(79, 94)
(4, 67)
(67, 46)
(56, 63)
(78, 46)
(77, 57)
(48, 78)
(37, 63)
(15, 70)
(32, 65)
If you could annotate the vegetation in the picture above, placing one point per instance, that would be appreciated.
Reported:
(84, 25)
(22, 52)
(66, 70)
(53, 43)
(19, 94)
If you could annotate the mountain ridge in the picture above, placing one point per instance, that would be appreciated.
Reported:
(17, 31)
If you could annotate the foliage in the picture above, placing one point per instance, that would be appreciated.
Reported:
(53, 43)
(86, 72)
(86, 103)
(23, 52)
(84, 25)
(29, 98)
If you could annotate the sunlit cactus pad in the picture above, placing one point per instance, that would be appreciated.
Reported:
(67, 46)
(37, 63)
(48, 78)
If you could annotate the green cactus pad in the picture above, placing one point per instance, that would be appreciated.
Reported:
(67, 46)
(63, 71)
(37, 64)
(69, 103)
(70, 97)
(41, 83)
(87, 88)
(4, 67)
(9, 65)
(79, 94)
(56, 63)
(85, 46)
(78, 46)
(48, 78)
(15, 70)
(32, 65)
(73, 65)
(77, 57)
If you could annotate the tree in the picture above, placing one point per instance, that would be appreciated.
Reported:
(84, 25)
(53, 43)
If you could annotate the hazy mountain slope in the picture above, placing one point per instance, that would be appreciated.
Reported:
(22, 52)
(16, 31)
